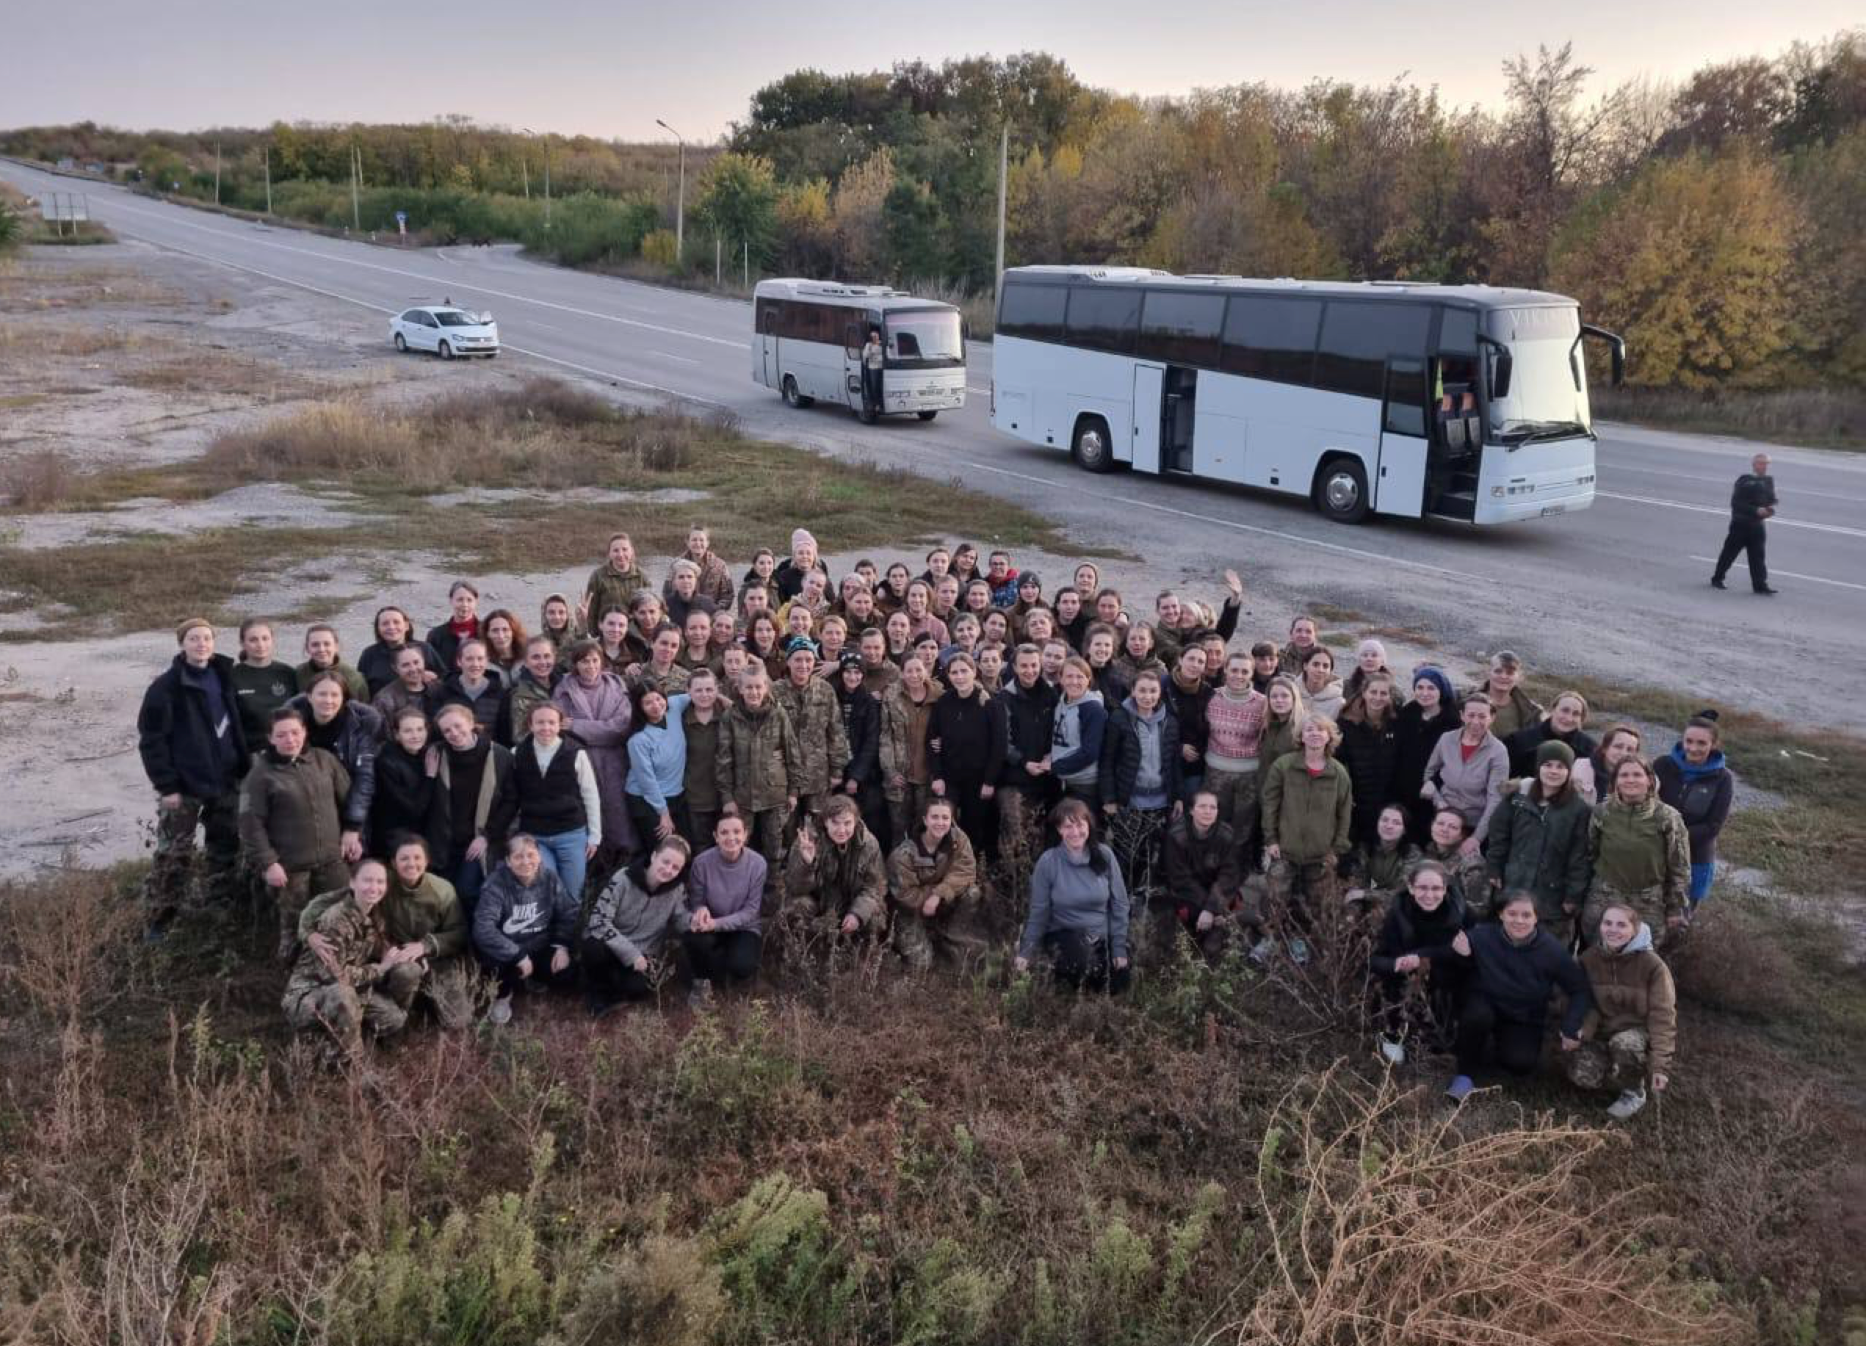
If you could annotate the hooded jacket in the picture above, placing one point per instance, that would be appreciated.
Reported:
(1633, 989)
(1029, 715)
(354, 738)
(847, 880)
(970, 734)
(1076, 731)
(1541, 848)
(186, 748)
(1204, 872)
(1519, 979)
(816, 727)
(633, 920)
(1701, 794)
(947, 872)
(408, 799)
(1472, 787)
(512, 920)
(1140, 756)
(861, 729)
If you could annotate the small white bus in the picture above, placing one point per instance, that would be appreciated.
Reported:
(807, 338)
(1451, 401)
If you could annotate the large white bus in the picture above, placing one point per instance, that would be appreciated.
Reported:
(1454, 401)
(807, 338)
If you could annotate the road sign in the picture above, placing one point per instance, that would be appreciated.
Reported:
(65, 207)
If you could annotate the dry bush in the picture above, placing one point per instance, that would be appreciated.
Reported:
(20, 342)
(1733, 963)
(60, 938)
(37, 481)
(1390, 1227)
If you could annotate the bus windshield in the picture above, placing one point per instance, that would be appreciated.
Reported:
(1548, 390)
(924, 339)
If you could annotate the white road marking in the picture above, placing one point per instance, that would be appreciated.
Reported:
(1719, 481)
(364, 303)
(478, 289)
(1724, 512)
(1812, 579)
(1232, 524)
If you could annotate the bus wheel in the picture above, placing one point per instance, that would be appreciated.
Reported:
(1091, 448)
(1341, 490)
(793, 398)
(926, 415)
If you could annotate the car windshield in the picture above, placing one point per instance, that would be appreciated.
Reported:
(453, 317)
(924, 338)
(1548, 383)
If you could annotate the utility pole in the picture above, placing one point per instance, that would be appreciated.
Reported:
(547, 183)
(748, 264)
(356, 174)
(1004, 171)
(717, 282)
(216, 172)
(268, 179)
(680, 195)
(524, 167)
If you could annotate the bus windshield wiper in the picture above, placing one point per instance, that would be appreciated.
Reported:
(1526, 432)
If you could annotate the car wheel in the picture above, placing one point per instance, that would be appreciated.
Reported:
(1341, 490)
(401, 343)
(445, 350)
(926, 415)
(1091, 447)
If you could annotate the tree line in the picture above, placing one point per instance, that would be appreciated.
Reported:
(1714, 221)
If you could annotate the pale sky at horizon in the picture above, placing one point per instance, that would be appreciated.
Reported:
(580, 66)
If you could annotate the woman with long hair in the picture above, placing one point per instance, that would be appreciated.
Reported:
(1694, 780)
(393, 632)
(1422, 721)
(1616, 745)
(965, 752)
(1538, 841)
(409, 794)
(597, 717)
(1514, 970)
(1631, 1032)
(1078, 907)
(1321, 689)
(505, 639)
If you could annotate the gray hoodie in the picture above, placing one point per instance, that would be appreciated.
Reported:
(1067, 894)
(635, 923)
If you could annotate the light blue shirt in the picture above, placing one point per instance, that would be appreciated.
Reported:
(657, 758)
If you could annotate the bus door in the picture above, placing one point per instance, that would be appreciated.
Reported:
(769, 340)
(853, 337)
(1404, 443)
(1149, 413)
(1177, 417)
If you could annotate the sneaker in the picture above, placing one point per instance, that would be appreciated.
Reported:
(1393, 1051)
(1627, 1105)
(1299, 952)
(501, 1011)
(1460, 1088)
(700, 998)
(1263, 951)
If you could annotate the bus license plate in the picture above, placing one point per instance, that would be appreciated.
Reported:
(1553, 509)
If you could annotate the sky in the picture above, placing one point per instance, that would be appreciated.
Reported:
(613, 68)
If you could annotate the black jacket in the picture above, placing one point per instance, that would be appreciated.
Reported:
(970, 734)
(1414, 739)
(1372, 758)
(1189, 709)
(861, 726)
(1029, 720)
(1196, 864)
(1523, 743)
(353, 738)
(1703, 802)
(409, 800)
(1120, 756)
(1751, 495)
(1407, 929)
(184, 749)
(377, 663)
(1519, 979)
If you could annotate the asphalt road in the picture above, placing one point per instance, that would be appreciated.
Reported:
(1619, 590)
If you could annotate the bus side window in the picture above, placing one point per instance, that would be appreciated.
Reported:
(852, 340)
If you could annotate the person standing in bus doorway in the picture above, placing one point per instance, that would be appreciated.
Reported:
(874, 355)
(1752, 503)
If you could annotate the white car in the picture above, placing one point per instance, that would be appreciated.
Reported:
(445, 330)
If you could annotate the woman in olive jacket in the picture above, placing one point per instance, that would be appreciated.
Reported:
(1631, 1032)
(1538, 841)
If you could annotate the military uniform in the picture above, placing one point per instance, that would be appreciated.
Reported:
(350, 999)
(950, 873)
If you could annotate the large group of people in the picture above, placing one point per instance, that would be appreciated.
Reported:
(925, 761)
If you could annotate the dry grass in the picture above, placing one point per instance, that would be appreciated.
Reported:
(35, 482)
(1832, 418)
(22, 342)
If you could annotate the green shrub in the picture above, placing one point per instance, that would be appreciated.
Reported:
(788, 1276)
(946, 1301)
(733, 1087)
(11, 229)
(661, 248)
(661, 1292)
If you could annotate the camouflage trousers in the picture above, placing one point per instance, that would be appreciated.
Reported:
(1296, 885)
(1237, 802)
(447, 986)
(905, 813)
(301, 885)
(218, 818)
(951, 933)
(1617, 1063)
(344, 1011)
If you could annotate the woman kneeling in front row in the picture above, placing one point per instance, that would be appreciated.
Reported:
(1514, 969)
(1632, 1029)
(1078, 907)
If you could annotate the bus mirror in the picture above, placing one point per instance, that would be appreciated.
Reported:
(1501, 364)
(1616, 349)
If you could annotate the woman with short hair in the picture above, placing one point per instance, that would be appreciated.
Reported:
(477, 684)
(551, 792)
(1511, 707)
(1467, 769)
(1072, 618)
(1631, 1030)
(1078, 907)
(393, 632)
(261, 683)
(1694, 780)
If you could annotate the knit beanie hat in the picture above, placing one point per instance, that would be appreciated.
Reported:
(1555, 751)
(181, 631)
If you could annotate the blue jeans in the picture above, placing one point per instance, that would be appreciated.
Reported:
(1701, 881)
(468, 877)
(564, 855)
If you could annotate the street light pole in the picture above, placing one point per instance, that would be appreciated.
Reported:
(547, 175)
(680, 194)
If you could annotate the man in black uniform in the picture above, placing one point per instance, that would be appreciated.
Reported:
(1751, 503)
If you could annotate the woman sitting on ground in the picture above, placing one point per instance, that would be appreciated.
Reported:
(334, 984)
(725, 901)
(1514, 970)
(1415, 950)
(1631, 1031)
(1078, 907)
(1694, 780)
(1204, 878)
(1464, 868)
(628, 945)
(524, 925)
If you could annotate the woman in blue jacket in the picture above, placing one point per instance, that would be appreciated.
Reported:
(1694, 780)
(657, 766)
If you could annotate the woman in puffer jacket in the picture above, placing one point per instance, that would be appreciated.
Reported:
(1630, 1034)
(1694, 780)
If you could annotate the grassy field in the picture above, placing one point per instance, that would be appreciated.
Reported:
(1820, 418)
